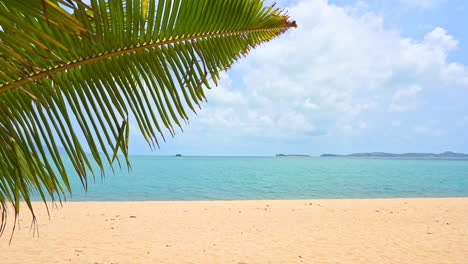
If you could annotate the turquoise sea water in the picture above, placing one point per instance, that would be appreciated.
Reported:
(238, 178)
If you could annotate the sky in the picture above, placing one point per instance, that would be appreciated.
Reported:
(355, 76)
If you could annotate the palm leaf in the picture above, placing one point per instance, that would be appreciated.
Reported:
(63, 63)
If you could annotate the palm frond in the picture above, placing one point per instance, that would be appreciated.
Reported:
(64, 63)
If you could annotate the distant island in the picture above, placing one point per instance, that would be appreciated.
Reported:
(447, 154)
(291, 155)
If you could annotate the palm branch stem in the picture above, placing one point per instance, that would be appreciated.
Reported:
(59, 68)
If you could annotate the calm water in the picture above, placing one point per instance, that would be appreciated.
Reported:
(226, 178)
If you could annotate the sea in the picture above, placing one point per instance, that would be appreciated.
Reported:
(158, 178)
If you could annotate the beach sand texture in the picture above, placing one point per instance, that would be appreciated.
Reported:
(246, 232)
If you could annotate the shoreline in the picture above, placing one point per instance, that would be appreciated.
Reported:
(36, 202)
(388, 230)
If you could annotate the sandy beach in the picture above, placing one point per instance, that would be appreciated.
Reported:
(245, 232)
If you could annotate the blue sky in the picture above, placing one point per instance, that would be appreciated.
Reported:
(356, 76)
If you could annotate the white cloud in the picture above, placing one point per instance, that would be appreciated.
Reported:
(405, 99)
(250, 113)
(456, 73)
(327, 75)
(439, 38)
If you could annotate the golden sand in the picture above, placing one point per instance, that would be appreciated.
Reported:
(246, 232)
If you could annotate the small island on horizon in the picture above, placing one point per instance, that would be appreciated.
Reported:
(447, 154)
(291, 155)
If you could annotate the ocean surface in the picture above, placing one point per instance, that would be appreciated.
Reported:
(239, 178)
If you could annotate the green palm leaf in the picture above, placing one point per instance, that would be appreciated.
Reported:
(64, 63)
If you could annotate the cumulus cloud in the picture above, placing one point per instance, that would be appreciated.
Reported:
(439, 38)
(340, 78)
(249, 112)
(456, 73)
(324, 77)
